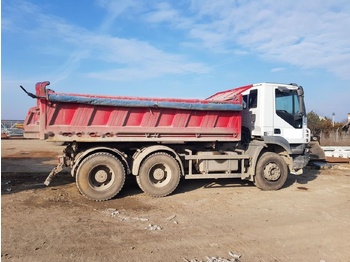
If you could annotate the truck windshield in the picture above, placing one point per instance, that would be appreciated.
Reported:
(288, 107)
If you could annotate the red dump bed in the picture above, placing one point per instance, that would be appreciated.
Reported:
(91, 118)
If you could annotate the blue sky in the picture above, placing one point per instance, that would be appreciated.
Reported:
(183, 48)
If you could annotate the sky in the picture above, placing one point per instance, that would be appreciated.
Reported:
(182, 48)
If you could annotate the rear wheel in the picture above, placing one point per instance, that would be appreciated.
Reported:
(100, 176)
(271, 172)
(159, 175)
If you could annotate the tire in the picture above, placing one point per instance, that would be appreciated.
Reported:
(271, 172)
(159, 175)
(100, 176)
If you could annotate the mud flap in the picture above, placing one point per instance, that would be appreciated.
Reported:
(315, 151)
(53, 173)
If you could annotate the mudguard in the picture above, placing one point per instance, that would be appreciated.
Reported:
(315, 151)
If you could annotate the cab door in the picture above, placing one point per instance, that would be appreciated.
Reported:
(288, 118)
(257, 116)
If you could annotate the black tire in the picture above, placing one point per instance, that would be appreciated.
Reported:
(100, 176)
(159, 175)
(271, 172)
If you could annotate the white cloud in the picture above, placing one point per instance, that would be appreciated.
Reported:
(163, 12)
(138, 59)
(115, 8)
(152, 70)
(307, 34)
(123, 57)
(277, 69)
(118, 7)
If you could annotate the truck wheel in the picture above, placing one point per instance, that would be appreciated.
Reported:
(271, 172)
(100, 176)
(159, 175)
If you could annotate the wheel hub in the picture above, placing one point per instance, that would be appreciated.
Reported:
(159, 174)
(101, 176)
(272, 172)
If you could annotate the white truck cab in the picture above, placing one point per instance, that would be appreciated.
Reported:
(276, 110)
(275, 114)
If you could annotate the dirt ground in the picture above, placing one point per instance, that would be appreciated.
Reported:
(307, 220)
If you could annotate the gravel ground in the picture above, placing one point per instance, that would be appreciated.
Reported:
(205, 220)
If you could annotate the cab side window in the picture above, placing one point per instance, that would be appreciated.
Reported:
(253, 99)
(245, 101)
(287, 107)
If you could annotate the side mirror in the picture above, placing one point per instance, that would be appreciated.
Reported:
(300, 91)
(298, 115)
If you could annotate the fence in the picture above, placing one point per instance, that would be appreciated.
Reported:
(11, 123)
(335, 138)
(11, 128)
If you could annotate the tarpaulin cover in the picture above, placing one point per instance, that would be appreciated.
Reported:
(198, 105)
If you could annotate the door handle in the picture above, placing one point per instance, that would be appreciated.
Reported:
(277, 131)
(253, 118)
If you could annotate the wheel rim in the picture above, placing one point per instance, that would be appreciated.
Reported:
(160, 175)
(101, 177)
(272, 172)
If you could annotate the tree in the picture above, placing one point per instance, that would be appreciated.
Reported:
(314, 123)
(319, 125)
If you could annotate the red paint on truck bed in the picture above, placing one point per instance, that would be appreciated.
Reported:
(87, 120)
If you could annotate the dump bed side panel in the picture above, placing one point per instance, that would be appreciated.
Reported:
(66, 117)
(32, 123)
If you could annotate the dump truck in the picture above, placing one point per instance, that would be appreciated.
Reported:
(256, 132)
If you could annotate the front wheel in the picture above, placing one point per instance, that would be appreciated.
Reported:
(271, 172)
(100, 176)
(159, 175)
